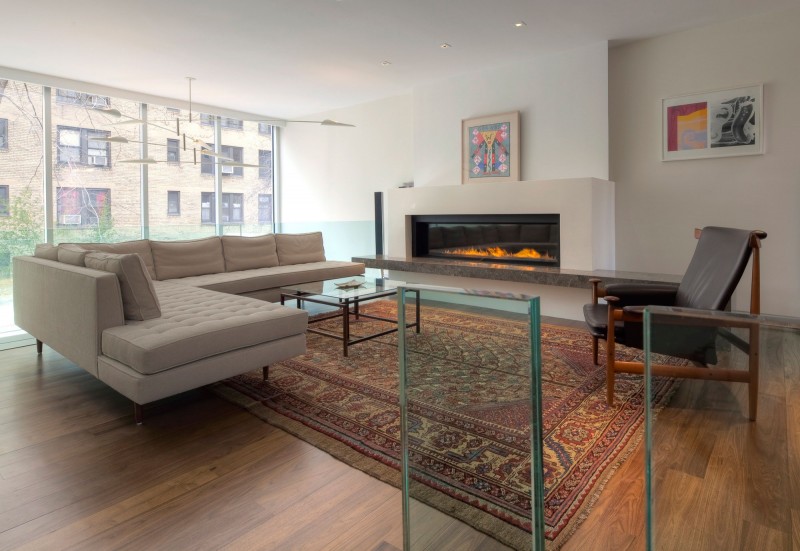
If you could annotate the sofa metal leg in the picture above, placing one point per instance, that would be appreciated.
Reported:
(39, 347)
(265, 372)
(138, 413)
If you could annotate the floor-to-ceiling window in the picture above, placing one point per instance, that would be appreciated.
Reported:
(98, 182)
(96, 194)
(21, 192)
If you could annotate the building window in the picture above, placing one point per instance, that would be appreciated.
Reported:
(232, 210)
(225, 122)
(173, 150)
(232, 152)
(76, 146)
(3, 133)
(82, 207)
(5, 208)
(264, 208)
(265, 164)
(173, 203)
(79, 98)
(265, 129)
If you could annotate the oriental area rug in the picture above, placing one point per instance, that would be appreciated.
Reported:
(471, 448)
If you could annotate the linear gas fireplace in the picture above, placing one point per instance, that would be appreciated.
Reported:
(514, 238)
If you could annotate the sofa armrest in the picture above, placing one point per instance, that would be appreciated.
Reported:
(66, 307)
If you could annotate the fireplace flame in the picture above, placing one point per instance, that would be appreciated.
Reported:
(498, 252)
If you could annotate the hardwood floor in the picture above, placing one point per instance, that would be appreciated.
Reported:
(77, 473)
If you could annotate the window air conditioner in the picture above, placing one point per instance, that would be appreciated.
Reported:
(70, 219)
(97, 160)
(227, 169)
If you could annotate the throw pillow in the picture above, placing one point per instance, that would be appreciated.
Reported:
(248, 253)
(72, 254)
(299, 248)
(140, 247)
(139, 300)
(46, 251)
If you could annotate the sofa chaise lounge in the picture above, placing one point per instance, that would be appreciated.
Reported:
(155, 318)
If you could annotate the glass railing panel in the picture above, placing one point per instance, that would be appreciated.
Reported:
(723, 456)
(471, 420)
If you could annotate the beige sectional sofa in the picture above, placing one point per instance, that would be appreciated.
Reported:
(162, 317)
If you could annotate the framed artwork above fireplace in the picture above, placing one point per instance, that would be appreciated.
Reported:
(490, 148)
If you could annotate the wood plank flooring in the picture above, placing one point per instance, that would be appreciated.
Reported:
(76, 473)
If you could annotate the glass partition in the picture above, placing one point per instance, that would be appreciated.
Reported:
(723, 456)
(470, 399)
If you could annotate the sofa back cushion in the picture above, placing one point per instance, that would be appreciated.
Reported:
(248, 253)
(299, 248)
(140, 247)
(69, 253)
(174, 259)
(46, 251)
(139, 299)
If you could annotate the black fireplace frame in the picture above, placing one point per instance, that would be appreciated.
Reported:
(420, 231)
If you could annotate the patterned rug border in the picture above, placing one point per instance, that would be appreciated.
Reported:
(388, 471)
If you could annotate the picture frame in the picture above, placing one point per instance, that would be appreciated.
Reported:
(490, 149)
(719, 123)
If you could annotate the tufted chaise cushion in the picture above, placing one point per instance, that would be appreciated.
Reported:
(196, 324)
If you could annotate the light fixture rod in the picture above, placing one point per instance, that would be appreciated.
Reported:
(190, 79)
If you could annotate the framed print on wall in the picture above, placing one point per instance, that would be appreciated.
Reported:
(490, 148)
(723, 123)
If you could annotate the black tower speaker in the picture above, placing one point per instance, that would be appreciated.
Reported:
(378, 222)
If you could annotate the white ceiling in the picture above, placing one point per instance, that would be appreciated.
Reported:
(291, 58)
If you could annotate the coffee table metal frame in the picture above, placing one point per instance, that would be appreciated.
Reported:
(348, 306)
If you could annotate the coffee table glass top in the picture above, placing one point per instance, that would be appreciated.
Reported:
(346, 287)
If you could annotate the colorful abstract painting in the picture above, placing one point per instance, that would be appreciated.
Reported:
(687, 127)
(722, 123)
(491, 148)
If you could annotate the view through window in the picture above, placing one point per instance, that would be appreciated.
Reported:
(97, 196)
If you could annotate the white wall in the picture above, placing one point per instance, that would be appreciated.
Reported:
(563, 103)
(658, 204)
(331, 173)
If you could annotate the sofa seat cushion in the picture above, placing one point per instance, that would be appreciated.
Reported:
(247, 281)
(197, 324)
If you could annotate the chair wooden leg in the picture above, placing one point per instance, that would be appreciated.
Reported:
(595, 347)
(138, 413)
(265, 372)
(39, 347)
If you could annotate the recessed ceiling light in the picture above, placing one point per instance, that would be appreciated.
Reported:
(386, 63)
(444, 45)
(520, 24)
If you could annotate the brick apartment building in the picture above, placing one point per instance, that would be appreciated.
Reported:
(98, 193)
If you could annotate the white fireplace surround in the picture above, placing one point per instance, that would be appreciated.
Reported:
(585, 206)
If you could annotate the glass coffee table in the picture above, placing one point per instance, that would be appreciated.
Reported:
(346, 294)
